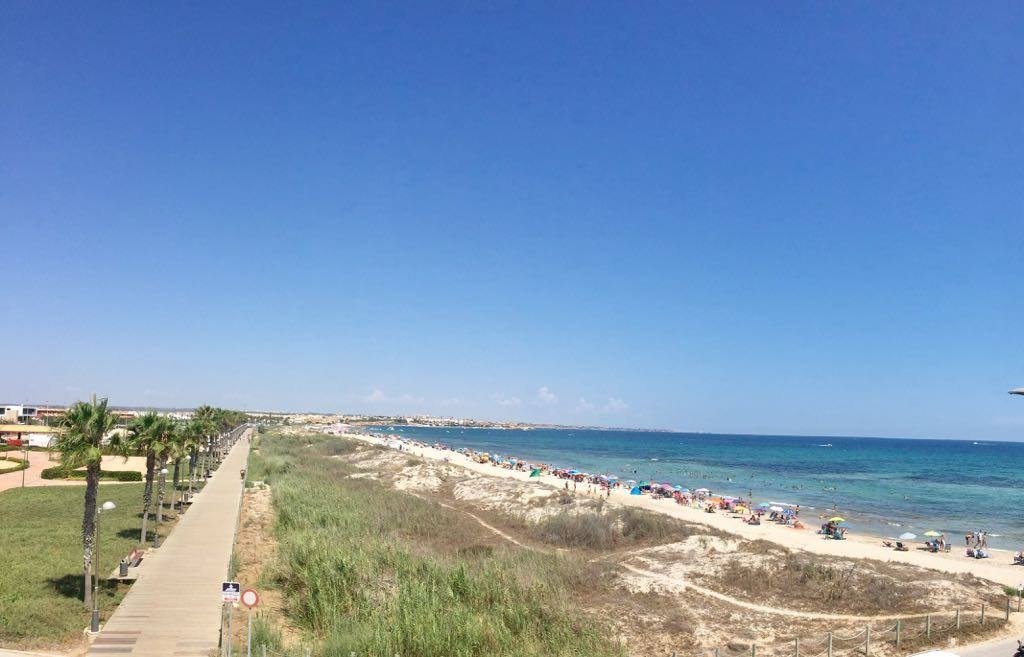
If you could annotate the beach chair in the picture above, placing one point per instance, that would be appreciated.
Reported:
(900, 547)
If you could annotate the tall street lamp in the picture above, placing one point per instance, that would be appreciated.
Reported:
(95, 625)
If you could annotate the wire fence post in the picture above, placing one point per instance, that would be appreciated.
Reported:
(928, 626)
(867, 640)
(829, 651)
(983, 613)
(958, 618)
(716, 652)
(1007, 607)
(753, 650)
(796, 652)
(899, 626)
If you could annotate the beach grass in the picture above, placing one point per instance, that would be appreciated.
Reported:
(41, 543)
(612, 528)
(374, 571)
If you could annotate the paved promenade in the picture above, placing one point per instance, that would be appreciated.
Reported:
(174, 607)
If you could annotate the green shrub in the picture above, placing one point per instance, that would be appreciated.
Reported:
(60, 472)
(586, 530)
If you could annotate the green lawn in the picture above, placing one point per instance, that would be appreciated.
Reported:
(41, 548)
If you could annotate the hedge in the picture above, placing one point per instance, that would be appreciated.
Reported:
(108, 475)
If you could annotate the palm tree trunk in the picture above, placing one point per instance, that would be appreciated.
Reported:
(176, 481)
(160, 493)
(92, 482)
(147, 493)
(193, 460)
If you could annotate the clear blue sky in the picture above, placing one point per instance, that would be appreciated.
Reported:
(731, 217)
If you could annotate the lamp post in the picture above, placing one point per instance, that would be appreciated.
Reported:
(24, 453)
(95, 625)
(160, 511)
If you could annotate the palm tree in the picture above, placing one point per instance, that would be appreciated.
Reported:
(168, 442)
(85, 424)
(195, 433)
(146, 436)
(205, 417)
(186, 439)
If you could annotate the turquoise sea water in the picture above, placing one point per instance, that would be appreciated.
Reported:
(882, 486)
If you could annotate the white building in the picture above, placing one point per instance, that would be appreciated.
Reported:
(15, 413)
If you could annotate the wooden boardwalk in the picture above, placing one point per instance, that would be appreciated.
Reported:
(174, 607)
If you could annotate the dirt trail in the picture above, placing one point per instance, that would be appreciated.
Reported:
(680, 585)
(483, 524)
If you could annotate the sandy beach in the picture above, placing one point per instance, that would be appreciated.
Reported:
(999, 567)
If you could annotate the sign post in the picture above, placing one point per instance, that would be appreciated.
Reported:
(229, 594)
(250, 599)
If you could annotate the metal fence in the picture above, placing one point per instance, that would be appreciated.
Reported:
(913, 632)
(910, 633)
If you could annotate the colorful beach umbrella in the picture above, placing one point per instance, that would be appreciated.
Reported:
(535, 472)
(932, 533)
(836, 519)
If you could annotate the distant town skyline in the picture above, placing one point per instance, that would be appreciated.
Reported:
(710, 217)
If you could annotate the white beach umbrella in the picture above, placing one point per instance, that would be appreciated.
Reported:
(776, 509)
(907, 536)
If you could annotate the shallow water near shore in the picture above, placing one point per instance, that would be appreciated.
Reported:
(882, 486)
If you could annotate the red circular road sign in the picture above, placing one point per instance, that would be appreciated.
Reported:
(250, 598)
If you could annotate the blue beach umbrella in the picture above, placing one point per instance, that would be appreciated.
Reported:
(635, 491)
